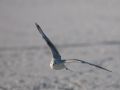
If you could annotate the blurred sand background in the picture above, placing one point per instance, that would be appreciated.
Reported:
(83, 29)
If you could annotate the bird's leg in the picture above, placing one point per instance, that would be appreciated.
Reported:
(68, 69)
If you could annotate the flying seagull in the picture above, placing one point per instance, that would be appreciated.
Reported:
(57, 63)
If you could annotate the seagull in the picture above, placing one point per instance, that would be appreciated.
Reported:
(57, 63)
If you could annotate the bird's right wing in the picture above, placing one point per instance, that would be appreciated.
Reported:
(55, 52)
(84, 62)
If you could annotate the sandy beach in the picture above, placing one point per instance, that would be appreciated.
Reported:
(81, 29)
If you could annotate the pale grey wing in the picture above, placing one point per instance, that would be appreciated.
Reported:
(72, 60)
(55, 52)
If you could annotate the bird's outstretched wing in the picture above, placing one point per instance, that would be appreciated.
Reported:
(55, 52)
(84, 62)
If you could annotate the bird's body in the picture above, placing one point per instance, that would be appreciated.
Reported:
(57, 63)
(56, 66)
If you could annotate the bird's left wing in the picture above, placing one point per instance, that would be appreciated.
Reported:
(84, 62)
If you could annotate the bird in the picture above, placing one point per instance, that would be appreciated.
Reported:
(57, 63)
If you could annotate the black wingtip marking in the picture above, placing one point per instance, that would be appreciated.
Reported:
(37, 25)
(40, 30)
(102, 68)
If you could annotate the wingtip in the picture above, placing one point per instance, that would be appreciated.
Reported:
(37, 25)
(109, 70)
